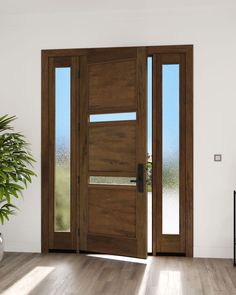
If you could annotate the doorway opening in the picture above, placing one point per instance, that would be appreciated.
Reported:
(149, 150)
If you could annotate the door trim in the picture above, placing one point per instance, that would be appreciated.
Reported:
(46, 143)
(65, 240)
(187, 51)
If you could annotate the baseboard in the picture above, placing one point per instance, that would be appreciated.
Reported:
(213, 252)
(22, 247)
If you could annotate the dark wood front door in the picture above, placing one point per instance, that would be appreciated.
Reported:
(113, 202)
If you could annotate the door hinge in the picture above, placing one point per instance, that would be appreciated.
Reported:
(78, 179)
(78, 74)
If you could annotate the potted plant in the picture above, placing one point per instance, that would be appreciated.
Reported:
(15, 173)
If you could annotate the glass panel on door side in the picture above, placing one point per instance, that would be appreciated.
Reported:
(170, 161)
(62, 147)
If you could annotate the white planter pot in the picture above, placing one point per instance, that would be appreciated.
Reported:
(1, 247)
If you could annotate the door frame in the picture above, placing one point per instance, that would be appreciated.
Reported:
(186, 121)
(47, 144)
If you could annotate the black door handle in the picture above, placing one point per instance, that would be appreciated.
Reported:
(133, 181)
(140, 178)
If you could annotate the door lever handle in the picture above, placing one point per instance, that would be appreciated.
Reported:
(133, 181)
(140, 178)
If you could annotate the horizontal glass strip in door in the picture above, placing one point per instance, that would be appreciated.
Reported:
(112, 180)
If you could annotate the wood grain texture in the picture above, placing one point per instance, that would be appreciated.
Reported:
(96, 275)
(51, 152)
(141, 150)
(112, 85)
(83, 153)
(112, 245)
(107, 56)
(112, 147)
(182, 152)
(44, 153)
(173, 49)
(101, 55)
(157, 148)
(114, 79)
(58, 240)
(182, 243)
(167, 243)
(74, 154)
(189, 152)
(105, 52)
(112, 210)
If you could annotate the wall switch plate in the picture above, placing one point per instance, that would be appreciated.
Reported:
(217, 157)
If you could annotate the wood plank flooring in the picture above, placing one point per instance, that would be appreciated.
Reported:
(71, 274)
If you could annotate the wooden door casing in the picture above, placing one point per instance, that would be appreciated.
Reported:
(59, 240)
(171, 243)
(78, 59)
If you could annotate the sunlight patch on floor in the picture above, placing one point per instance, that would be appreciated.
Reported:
(143, 285)
(28, 282)
(170, 281)
(119, 258)
(165, 282)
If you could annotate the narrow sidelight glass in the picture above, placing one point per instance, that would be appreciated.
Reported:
(170, 135)
(62, 146)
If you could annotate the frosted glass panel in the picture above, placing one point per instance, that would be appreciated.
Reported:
(112, 180)
(113, 117)
(62, 169)
(170, 173)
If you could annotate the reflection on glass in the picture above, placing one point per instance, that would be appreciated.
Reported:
(149, 160)
(113, 117)
(170, 177)
(62, 169)
(112, 180)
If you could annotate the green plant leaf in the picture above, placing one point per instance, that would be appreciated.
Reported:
(3, 175)
(15, 161)
(1, 217)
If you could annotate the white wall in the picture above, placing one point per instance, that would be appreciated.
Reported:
(212, 30)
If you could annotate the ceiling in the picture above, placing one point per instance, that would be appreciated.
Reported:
(44, 6)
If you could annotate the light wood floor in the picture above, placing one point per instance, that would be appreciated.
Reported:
(70, 274)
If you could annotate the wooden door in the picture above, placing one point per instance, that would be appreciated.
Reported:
(113, 207)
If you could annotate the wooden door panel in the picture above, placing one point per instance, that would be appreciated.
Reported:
(101, 55)
(113, 218)
(170, 244)
(112, 245)
(112, 147)
(112, 210)
(112, 85)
